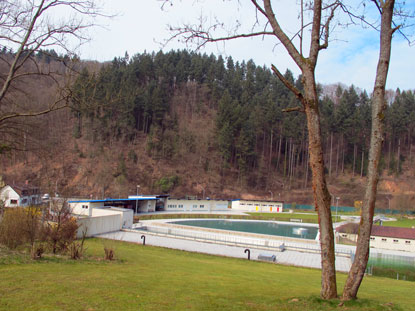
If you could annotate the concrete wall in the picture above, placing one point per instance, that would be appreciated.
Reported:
(105, 220)
(84, 208)
(392, 243)
(257, 206)
(185, 205)
(384, 242)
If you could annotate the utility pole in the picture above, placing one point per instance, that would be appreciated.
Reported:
(136, 201)
(337, 205)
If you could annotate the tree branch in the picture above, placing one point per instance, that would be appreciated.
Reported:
(289, 85)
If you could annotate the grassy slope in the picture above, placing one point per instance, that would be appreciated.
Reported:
(150, 278)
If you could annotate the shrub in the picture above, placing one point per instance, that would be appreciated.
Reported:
(12, 233)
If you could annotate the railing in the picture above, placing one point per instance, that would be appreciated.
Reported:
(235, 240)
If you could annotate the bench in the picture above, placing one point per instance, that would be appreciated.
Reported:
(267, 257)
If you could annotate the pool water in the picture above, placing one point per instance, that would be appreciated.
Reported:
(262, 227)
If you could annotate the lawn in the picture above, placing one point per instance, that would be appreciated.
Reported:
(400, 222)
(151, 278)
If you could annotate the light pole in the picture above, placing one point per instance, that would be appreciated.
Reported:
(136, 201)
(389, 202)
(271, 194)
(337, 205)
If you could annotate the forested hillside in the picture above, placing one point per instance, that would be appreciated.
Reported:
(191, 124)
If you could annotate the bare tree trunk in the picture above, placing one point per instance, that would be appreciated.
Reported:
(337, 158)
(270, 149)
(279, 151)
(331, 152)
(362, 164)
(322, 196)
(343, 152)
(358, 268)
(354, 157)
(398, 162)
(389, 153)
(285, 156)
(306, 170)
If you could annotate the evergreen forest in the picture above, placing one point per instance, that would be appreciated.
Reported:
(215, 122)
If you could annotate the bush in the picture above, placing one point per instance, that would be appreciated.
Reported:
(20, 226)
(11, 228)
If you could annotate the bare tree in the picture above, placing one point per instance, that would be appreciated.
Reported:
(387, 10)
(317, 25)
(29, 28)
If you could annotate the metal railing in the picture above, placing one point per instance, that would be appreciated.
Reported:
(243, 241)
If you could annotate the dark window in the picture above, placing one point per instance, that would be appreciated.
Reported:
(13, 201)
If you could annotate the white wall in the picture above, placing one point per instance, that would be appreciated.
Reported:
(105, 220)
(7, 194)
(83, 208)
(392, 243)
(257, 206)
(185, 205)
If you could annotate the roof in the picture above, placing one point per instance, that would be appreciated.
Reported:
(19, 188)
(382, 231)
(108, 200)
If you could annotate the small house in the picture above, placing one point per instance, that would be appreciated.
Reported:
(14, 195)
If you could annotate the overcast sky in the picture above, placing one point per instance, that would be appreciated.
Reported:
(350, 59)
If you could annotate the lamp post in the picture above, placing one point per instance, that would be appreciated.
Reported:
(337, 205)
(136, 201)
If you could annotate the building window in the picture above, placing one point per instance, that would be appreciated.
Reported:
(202, 206)
(180, 205)
(13, 201)
(194, 206)
(407, 242)
(372, 238)
(384, 240)
(395, 241)
(344, 235)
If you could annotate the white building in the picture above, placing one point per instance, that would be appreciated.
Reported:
(196, 205)
(94, 217)
(260, 206)
(20, 195)
(392, 238)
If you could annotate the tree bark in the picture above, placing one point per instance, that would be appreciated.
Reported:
(331, 152)
(358, 268)
(321, 194)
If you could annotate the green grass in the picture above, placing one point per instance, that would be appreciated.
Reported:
(400, 222)
(151, 278)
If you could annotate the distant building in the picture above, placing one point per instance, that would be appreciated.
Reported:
(393, 238)
(14, 195)
(260, 206)
(196, 205)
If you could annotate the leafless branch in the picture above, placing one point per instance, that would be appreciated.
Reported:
(289, 85)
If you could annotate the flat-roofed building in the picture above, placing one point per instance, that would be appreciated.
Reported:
(393, 238)
(260, 206)
(196, 205)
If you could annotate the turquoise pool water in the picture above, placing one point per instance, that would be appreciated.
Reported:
(262, 227)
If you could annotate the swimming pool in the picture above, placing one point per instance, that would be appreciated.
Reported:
(262, 227)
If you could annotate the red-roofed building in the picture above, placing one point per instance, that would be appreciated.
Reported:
(393, 238)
